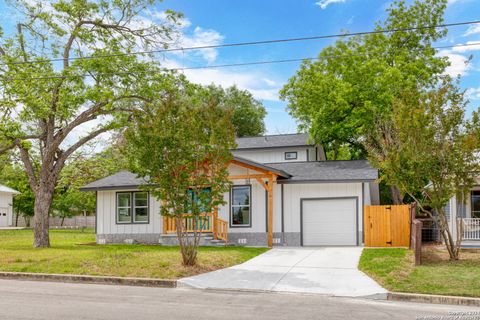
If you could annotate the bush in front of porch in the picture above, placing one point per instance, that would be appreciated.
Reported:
(394, 269)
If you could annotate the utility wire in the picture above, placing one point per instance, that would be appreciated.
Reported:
(264, 62)
(249, 43)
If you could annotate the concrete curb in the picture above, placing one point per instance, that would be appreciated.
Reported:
(435, 299)
(73, 278)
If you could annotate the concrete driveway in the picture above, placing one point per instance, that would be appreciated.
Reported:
(325, 270)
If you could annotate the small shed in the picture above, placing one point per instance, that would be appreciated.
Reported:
(6, 201)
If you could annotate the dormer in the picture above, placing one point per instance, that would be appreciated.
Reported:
(279, 148)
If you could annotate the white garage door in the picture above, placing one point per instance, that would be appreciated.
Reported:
(329, 222)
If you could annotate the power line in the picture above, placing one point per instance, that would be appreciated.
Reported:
(249, 43)
(264, 62)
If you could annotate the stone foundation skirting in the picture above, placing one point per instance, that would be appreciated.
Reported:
(250, 239)
(144, 238)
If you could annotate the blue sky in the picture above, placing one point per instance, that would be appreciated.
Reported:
(247, 20)
(222, 21)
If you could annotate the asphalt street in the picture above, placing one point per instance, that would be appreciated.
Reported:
(46, 300)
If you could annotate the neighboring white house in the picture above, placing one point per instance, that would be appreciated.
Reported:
(6, 200)
(283, 193)
(466, 211)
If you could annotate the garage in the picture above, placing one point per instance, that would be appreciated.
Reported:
(329, 221)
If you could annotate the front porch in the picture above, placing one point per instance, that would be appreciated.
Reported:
(214, 228)
(208, 224)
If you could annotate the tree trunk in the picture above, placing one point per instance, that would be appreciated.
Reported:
(397, 197)
(17, 214)
(63, 220)
(43, 203)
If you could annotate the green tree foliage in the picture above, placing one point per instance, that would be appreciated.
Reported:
(430, 151)
(69, 200)
(248, 113)
(340, 96)
(182, 143)
(44, 105)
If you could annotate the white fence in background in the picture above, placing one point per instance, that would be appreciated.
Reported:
(471, 228)
(75, 222)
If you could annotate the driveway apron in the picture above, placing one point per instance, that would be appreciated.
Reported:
(323, 270)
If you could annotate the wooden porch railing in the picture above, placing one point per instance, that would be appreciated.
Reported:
(208, 221)
(205, 221)
(222, 230)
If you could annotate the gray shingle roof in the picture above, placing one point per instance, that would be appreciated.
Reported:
(290, 172)
(274, 141)
(120, 180)
(327, 171)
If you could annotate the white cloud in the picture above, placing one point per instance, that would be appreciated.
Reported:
(459, 64)
(473, 29)
(449, 2)
(473, 93)
(202, 37)
(261, 87)
(471, 46)
(323, 4)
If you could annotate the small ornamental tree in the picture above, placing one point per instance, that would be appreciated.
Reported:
(181, 144)
(430, 152)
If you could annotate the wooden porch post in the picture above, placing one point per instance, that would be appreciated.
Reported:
(165, 220)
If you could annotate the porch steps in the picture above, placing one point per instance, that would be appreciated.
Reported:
(206, 239)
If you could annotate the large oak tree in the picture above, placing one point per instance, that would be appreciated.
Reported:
(50, 109)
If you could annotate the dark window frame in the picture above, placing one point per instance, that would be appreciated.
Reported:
(291, 152)
(249, 225)
(474, 213)
(132, 208)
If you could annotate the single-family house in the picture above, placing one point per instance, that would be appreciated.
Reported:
(283, 192)
(466, 213)
(6, 201)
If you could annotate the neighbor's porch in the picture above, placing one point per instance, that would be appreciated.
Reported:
(465, 217)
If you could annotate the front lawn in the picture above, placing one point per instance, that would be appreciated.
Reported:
(394, 269)
(73, 252)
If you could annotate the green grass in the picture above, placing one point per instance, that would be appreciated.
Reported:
(394, 269)
(73, 252)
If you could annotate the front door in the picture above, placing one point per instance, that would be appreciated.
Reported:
(3, 217)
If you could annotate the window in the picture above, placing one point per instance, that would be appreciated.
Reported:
(132, 207)
(475, 204)
(240, 206)
(291, 155)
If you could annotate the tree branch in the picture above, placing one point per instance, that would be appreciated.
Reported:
(64, 155)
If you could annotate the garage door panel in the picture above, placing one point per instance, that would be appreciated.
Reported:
(329, 222)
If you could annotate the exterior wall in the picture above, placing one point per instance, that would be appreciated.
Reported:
(277, 154)
(294, 192)
(108, 229)
(6, 200)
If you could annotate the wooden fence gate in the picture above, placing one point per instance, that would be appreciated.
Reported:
(387, 226)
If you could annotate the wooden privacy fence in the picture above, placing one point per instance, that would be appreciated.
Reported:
(387, 226)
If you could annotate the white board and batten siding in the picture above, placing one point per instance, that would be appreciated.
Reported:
(106, 219)
(335, 206)
(6, 200)
(258, 202)
(274, 155)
